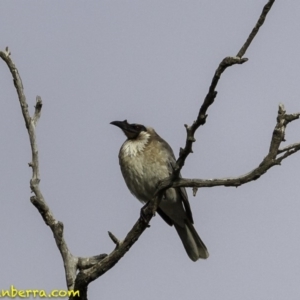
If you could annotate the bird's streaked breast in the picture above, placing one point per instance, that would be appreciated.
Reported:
(133, 147)
(142, 166)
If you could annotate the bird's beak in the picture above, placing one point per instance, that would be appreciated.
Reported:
(130, 130)
(121, 124)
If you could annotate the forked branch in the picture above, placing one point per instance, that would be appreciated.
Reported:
(274, 158)
(71, 263)
(93, 267)
(212, 93)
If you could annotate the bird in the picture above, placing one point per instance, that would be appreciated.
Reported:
(145, 159)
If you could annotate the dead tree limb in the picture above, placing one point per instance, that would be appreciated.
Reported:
(274, 158)
(87, 276)
(93, 267)
(71, 263)
(212, 93)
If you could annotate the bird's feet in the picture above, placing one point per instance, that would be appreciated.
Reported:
(143, 215)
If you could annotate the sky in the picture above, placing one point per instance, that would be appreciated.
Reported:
(151, 62)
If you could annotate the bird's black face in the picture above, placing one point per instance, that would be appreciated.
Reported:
(132, 131)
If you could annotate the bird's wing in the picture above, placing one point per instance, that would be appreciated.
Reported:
(186, 203)
(167, 219)
(171, 165)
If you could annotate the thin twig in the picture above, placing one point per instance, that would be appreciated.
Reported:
(254, 31)
(114, 239)
(289, 147)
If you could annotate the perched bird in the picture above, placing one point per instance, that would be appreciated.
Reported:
(145, 159)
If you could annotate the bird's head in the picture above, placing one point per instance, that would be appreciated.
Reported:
(132, 131)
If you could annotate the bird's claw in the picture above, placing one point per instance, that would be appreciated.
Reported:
(143, 214)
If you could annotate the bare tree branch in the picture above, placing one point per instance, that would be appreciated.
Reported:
(212, 93)
(38, 200)
(201, 119)
(88, 262)
(289, 147)
(93, 267)
(70, 262)
(87, 276)
(254, 31)
(272, 159)
(90, 268)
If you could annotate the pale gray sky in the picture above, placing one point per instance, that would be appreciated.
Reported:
(151, 62)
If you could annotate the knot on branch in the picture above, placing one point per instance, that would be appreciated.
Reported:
(228, 62)
(34, 181)
(191, 139)
(58, 231)
(37, 111)
(232, 60)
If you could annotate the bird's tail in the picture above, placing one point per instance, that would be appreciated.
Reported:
(192, 243)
